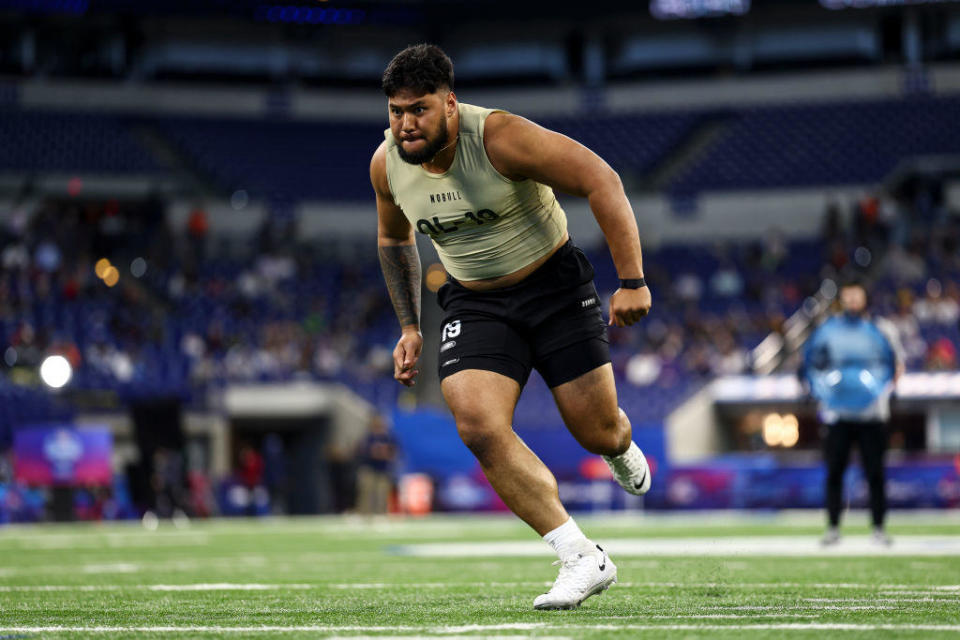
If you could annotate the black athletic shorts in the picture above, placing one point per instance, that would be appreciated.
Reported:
(550, 321)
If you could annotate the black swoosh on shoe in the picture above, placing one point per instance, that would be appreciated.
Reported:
(639, 485)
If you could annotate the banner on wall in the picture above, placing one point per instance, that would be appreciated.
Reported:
(63, 456)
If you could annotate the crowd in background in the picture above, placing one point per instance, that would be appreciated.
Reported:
(281, 309)
(261, 315)
(907, 245)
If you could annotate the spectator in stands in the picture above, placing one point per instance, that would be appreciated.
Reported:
(730, 358)
(942, 356)
(908, 328)
(250, 471)
(688, 287)
(904, 266)
(774, 250)
(276, 475)
(935, 307)
(167, 483)
(832, 226)
(643, 369)
(375, 477)
(198, 228)
(851, 364)
(726, 281)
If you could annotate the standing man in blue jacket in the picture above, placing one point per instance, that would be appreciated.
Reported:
(851, 364)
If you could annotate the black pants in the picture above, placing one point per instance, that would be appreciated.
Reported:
(871, 438)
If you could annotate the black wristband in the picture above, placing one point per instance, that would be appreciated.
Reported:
(632, 283)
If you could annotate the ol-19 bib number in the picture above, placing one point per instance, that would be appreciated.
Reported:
(436, 228)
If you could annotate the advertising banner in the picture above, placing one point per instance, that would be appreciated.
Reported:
(61, 455)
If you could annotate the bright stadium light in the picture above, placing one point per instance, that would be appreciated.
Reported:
(55, 371)
(111, 276)
(781, 430)
(101, 267)
(790, 432)
(773, 429)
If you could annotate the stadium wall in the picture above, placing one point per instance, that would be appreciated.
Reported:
(366, 105)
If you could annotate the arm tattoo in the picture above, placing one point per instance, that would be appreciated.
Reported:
(401, 270)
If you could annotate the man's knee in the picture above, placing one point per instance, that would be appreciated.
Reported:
(480, 437)
(610, 435)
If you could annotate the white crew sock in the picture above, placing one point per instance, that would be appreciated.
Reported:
(567, 540)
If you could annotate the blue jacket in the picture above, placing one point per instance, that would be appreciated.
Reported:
(850, 365)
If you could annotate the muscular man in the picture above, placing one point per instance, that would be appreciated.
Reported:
(519, 295)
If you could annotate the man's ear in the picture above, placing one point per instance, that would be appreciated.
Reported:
(451, 103)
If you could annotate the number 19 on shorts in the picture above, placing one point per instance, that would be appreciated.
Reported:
(450, 330)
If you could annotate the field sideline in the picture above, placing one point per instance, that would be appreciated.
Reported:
(681, 576)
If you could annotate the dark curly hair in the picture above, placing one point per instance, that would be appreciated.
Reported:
(422, 68)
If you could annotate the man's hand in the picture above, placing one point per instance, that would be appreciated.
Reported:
(627, 306)
(405, 356)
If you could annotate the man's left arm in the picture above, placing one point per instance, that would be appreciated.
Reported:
(520, 149)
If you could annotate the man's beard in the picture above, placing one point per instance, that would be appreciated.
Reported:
(431, 149)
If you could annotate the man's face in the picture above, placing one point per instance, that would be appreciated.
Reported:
(853, 299)
(418, 123)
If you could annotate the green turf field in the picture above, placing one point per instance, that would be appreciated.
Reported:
(729, 577)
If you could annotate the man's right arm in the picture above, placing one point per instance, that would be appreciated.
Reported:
(400, 264)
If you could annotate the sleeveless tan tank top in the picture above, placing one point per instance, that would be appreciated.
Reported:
(482, 224)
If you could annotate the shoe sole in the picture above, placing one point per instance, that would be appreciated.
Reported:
(597, 590)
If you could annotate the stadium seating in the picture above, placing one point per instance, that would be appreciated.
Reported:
(293, 160)
(822, 144)
(633, 143)
(53, 141)
(283, 160)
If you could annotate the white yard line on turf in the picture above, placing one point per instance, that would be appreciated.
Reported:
(135, 539)
(446, 637)
(518, 626)
(792, 585)
(894, 589)
(242, 563)
(226, 586)
(818, 608)
(218, 586)
(939, 593)
(794, 546)
(349, 586)
(846, 601)
(111, 567)
(931, 593)
(729, 616)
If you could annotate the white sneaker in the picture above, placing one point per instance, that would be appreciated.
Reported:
(880, 538)
(580, 577)
(631, 470)
(831, 537)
